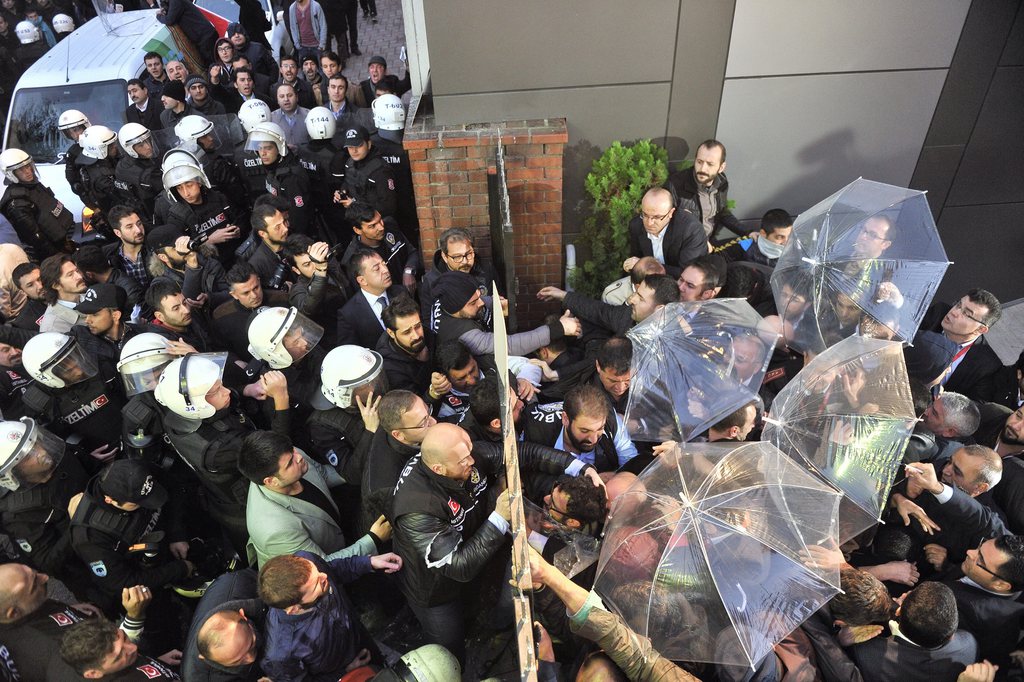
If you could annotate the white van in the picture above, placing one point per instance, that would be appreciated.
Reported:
(89, 70)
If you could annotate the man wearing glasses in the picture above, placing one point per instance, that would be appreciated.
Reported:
(456, 252)
(987, 596)
(673, 238)
(975, 365)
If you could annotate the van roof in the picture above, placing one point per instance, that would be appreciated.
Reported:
(95, 52)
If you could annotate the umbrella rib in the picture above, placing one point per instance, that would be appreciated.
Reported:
(704, 555)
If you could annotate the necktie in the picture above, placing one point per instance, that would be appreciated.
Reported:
(383, 303)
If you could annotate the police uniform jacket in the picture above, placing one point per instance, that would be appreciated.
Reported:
(287, 180)
(34, 641)
(142, 177)
(371, 181)
(39, 218)
(101, 536)
(395, 248)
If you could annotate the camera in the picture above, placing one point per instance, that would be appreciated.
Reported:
(196, 242)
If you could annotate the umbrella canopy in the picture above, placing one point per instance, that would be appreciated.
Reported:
(847, 416)
(866, 260)
(693, 364)
(707, 552)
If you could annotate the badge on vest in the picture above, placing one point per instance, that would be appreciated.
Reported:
(57, 210)
(99, 569)
(332, 457)
(24, 544)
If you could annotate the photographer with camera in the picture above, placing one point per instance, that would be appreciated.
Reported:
(188, 264)
(270, 224)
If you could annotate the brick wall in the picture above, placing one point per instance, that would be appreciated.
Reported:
(450, 166)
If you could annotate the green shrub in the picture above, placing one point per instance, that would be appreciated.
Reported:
(616, 184)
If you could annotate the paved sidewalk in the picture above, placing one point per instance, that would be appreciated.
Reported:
(385, 38)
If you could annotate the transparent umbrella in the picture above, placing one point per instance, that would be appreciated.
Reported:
(693, 364)
(847, 416)
(709, 552)
(866, 260)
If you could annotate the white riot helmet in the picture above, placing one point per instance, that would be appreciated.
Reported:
(320, 123)
(56, 360)
(181, 166)
(29, 454)
(189, 129)
(70, 119)
(348, 368)
(253, 112)
(282, 336)
(267, 132)
(185, 382)
(388, 113)
(11, 160)
(143, 359)
(96, 141)
(429, 663)
(27, 32)
(132, 134)
(62, 23)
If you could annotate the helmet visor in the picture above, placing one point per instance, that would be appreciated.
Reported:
(141, 374)
(74, 367)
(43, 453)
(260, 141)
(299, 337)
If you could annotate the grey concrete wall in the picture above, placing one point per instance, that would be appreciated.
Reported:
(807, 95)
(972, 161)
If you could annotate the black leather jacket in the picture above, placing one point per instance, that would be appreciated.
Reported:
(441, 527)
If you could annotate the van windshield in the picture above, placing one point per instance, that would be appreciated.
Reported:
(35, 111)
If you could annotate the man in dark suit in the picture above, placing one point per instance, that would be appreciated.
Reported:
(143, 109)
(951, 503)
(975, 365)
(359, 320)
(987, 591)
(673, 237)
(925, 645)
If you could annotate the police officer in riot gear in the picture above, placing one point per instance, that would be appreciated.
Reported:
(36, 483)
(286, 178)
(43, 224)
(253, 172)
(285, 339)
(122, 517)
(351, 380)
(71, 124)
(139, 168)
(32, 44)
(389, 118)
(365, 176)
(198, 135)
(72, 394)
(192, 206)
(315, 157)
(97, 164)
(204, 423)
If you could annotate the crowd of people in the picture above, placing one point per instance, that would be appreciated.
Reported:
(246, 418)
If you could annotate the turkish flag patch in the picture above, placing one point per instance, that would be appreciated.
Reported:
(62, 619)
(454, 506)
(299, 202)
(149, 671)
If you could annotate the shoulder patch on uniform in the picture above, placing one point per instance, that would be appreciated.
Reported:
(99, 569)
(774, 374)
(149, 671)
(62, 619)
(391, 184)
(299, 202)
(389, 237)
(24, 544)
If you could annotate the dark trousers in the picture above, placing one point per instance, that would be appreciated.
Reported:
(369, 7)
(444, 625)
(351, 14)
